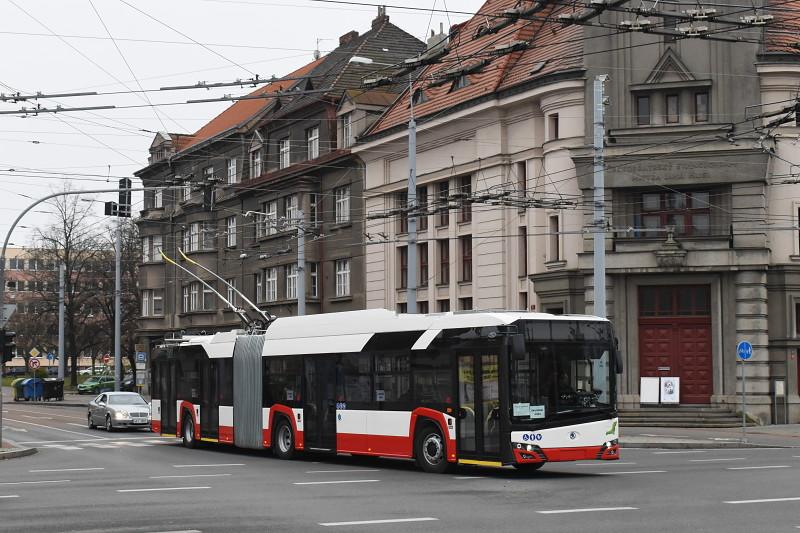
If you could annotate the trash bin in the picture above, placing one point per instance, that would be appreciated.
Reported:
(53, 389)
(17, 386)
(33, 389)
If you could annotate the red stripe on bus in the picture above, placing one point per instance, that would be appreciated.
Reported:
(155, 426)
(287, 411)
(226, 434)
(374, 445)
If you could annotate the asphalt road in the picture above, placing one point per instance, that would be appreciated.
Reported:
(87, 480)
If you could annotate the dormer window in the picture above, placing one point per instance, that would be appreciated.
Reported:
(643, 110)
(460, 82)
(673, 114)
(347, 130)
(701, 106)
(419, 97)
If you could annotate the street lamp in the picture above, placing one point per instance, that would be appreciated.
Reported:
(411, 281)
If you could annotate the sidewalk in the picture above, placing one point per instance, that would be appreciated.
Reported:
(776, 436)
(71, 399)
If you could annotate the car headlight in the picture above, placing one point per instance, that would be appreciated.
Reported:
(121, 414)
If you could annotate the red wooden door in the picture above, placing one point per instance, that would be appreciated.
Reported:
(675, 338)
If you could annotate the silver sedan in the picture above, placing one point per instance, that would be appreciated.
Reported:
(119, 410)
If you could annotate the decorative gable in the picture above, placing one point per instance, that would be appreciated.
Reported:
(669, 69)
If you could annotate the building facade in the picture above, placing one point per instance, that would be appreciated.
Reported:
(242, 191)
(701, 228)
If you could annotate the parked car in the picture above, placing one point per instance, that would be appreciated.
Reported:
(98, 370)
(96, 384)
(114, 410)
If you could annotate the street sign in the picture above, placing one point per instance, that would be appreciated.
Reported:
(34, 352)
(50, 356)
(141, 357)
(6, 312)
(106, 358)
(141, 378)
(141, 366)
(34, 363)
(744, 350)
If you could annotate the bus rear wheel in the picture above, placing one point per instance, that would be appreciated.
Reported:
(187, 435)
(431, 450)
(283, 440)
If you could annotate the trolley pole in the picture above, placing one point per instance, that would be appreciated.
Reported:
(301, 264)
(599, 197)
(62, 363)
(411, 282)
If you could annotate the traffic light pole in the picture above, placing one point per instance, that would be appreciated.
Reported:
(5, 246)
(62, 362)
(117, 319)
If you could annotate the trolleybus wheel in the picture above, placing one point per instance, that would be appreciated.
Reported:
(431, 450)
(283, 440)
(187, 435)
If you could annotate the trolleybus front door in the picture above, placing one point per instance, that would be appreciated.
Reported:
(479, 406)
(319, 409)
(169, 391)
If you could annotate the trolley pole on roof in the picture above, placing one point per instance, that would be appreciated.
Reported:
(599, 221)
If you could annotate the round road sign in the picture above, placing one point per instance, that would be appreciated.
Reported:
(744, 350)
(106, 358)
(34, 363)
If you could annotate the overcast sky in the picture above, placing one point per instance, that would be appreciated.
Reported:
(63, 46)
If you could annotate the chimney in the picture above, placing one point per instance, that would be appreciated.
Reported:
(347, 37)
(437, 40)
(381, 18)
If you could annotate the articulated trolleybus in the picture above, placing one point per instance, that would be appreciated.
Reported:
(481, 388)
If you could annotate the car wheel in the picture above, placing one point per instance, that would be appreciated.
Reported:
(283, 440)
(431, 450)
(92, 425)
(109, 425)
(187, 435)
(528, 467)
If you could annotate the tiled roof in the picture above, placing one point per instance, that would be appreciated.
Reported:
(783, 34)
(552, 48)
(244, 110)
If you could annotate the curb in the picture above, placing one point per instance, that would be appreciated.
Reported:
(16, 452)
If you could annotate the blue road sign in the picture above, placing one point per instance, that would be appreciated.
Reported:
(141, 357)
(744, 350)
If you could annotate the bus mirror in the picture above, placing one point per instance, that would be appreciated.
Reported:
(617, 357)
(518, 347)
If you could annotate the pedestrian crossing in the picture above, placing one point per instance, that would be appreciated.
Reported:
(105, 445)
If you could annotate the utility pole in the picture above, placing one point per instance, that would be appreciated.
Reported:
(62, 363)
(119, 210)
(411, 282)
(301, 264)
(599, 197)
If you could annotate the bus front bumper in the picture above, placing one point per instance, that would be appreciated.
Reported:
(531, 453)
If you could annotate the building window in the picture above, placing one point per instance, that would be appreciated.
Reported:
(15, 263)
(231, 231)
(419, 97)
(230, 285)
(402, 255)
(466, 257)
(269, 220)
(186, 192)
(522, 177)
(553, 238)
(147, 309)
(291, 209)
(341, 196)
(347, 130)
(194, 236)
(422, 208)
(343, 277)
(460, 82)
(401, 201)
(194, 296)
(151, 249)
(312, 138)
(186, 238)
(443, 306)
(232, 175)
(552, 126)
(444, 261)
(423, 308)
(443, 219)
(465, 304)
(208, 298)
(158, 198)
(402, 308)
(291, 281)
(255, 162)
(673, 109)
(643, 110)
(688, 212)
(186, 303)
(680, 300)
(271, 275)
(422, 250)
(315, 201)
(209, 233)
(701, 109)
(523, 251)
(313, 270)
(465, 214)
(259, 283)
(523, 301)
(285, 153)
(208, 174)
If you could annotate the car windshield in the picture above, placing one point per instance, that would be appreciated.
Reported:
(126, 399)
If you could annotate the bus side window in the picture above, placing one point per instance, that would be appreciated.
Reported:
(433, 382)
(393, 381)
(355, 384)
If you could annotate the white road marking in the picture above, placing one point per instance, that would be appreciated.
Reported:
(101, 446)
(67, 470)
(631, 472)
(337, 482)
(336, 471)
(372, 522)
(51, 427)
(588, 510)
(680, 451)
(21, 430)
(757, 467)
(95, 439)
(603, 463)
(133, 444)
(181, 531)
(190, 475)
(9, 496)
(48, 413)
(36, 482)
(37, 417)
(468, 477)
(712, 460)
(62, 447)
(162, 489)
(208, 465)
(768, 500)
(671, 436)
(76, 424)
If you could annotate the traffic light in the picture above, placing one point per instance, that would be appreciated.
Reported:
(9, 345)
(124, 198)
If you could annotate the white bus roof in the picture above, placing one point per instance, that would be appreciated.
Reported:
(350, 331)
